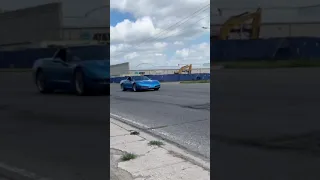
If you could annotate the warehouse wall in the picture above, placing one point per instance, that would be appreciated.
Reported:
(119, 69)
(269, 30)
(169, 71)
(31, 24)
(291, 30)
(86, 33)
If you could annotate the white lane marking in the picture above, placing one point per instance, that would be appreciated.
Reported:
(20, 172)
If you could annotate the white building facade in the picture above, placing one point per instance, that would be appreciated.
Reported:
(277, 20)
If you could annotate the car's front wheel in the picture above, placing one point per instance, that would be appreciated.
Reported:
(156, 89)
(42, 83)
(79, 83)
(134, 87)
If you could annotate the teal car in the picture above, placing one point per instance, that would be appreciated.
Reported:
(139, 83)
(79, 69)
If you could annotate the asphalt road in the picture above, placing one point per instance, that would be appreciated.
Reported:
(265, 124)
(60, 136)
(178, 112)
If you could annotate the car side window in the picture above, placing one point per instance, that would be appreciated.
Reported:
(61, 54)
(71, 57)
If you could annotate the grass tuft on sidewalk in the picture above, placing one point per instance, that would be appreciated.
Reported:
(128, 156)
(156, 143)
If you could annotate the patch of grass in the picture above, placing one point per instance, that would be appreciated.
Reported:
(270, 64)
(128, 156)
(155, 143)
(195, 81)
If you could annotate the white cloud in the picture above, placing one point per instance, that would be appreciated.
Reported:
(178, 43)
(160, 44)
(197, 54)
(147, 40)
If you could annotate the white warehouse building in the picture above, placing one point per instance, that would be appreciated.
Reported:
(295, 21)
(123, 69)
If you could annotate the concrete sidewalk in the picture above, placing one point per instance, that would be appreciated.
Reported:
(151, 162)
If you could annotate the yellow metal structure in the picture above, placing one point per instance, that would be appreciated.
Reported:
(240, 20)
(186, 68)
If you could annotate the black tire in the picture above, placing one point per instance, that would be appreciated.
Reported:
(79, 83)
(41, 83)
(156, 89)
(134, 87)
(122, 87)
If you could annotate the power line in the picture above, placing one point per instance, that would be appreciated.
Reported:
(174, 34)
(184, 31)
(177, 24)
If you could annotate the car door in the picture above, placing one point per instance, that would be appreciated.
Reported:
(61, 69)
(127, 83)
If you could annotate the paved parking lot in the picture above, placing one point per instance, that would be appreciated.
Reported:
(60, 136)
(265, 124)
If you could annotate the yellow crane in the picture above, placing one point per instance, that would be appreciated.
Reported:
(186, 68)
(239, 20)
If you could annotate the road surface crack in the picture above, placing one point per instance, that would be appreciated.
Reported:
(177, 124)
(308, 142)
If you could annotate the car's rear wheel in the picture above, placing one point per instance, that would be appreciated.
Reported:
(42, 83)
(79, 83)
(122, 87)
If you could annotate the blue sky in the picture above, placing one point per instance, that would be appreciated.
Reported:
(116, 17)
(140, 22)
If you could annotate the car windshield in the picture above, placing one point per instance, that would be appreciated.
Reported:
(140, 78)
(86, 53)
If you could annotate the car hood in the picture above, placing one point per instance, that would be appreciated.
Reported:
(97, 68)
(148, 82)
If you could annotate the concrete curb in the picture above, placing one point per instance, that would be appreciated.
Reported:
(14, 173)
(169, 145)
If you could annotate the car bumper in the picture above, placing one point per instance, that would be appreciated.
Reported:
(146, 87)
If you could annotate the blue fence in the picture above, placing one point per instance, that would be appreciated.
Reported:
(23, 58)
(170, 77)
(266, 49)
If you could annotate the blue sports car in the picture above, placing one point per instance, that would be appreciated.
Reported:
(138, 83)
(80, 69)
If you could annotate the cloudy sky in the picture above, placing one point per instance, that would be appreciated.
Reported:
(143, 33)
